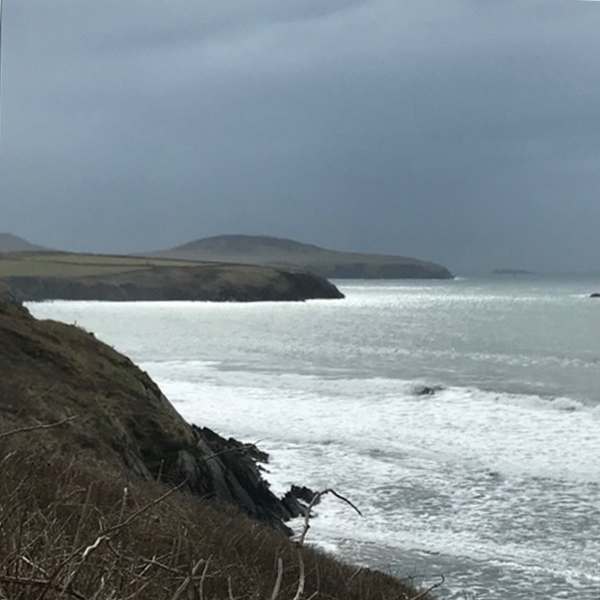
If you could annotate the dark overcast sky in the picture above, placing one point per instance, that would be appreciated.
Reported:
(464, 131)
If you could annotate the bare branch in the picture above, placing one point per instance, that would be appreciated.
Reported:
(316, 498)
(93, 547)
(277, 586)
(43, 583)
(30, 428)
(144, 509)
(203, 578)
(300, 589)
(230, 589)
(426, 592)
(188, 580)
(105, 535)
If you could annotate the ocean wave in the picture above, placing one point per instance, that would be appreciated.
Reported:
(184, 378)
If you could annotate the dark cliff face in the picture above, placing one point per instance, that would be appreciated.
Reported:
(51, 371)
(6, 296)
(211, 282)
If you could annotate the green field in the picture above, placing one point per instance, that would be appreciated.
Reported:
(61, 264)
(38, 276)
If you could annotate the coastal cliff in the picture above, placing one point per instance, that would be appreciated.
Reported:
(208, 282)
(119, 497)
(51, 371)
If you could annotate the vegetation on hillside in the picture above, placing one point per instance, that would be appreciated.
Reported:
(82, 531)
(106, 493)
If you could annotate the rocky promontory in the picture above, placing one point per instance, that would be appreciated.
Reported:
(207, 282)
(52, 371)
(108, 493)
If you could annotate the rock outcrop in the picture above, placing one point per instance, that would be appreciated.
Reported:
(51, 371)
(427, 390)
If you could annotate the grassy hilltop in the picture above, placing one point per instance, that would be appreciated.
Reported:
(264, 250)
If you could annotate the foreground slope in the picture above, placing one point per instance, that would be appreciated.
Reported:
(66, 276)
(264, 250)
(84, 505)
(51, 371)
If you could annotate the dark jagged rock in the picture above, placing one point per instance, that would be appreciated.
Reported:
(297, 500)
(212, 282)
(303, 493)
(595, 295)
(426, 390)
(51, 371)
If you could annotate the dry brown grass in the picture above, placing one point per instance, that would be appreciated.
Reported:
(76, 522)
(84, 532)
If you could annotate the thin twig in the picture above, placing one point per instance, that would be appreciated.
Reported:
(144, 509)
(203, 578)
(33, 565)
(355, 575)
(229, 589)
(316, 498)
(139, 591)
(429, 590)
(188, 580)
(277, 586)
(300, 589)
(104, 536)
(44, 583)
(35, 428)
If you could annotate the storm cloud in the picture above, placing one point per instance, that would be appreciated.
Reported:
(463, 131)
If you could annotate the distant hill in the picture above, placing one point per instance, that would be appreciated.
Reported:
(262, 250)
(13, 243)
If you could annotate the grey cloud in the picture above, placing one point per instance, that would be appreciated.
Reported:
(464, 131)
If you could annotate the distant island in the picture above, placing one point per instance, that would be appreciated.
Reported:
(285, 253)
(512, 272)
(43, 275)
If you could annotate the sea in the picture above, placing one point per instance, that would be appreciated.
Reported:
(462, 417)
